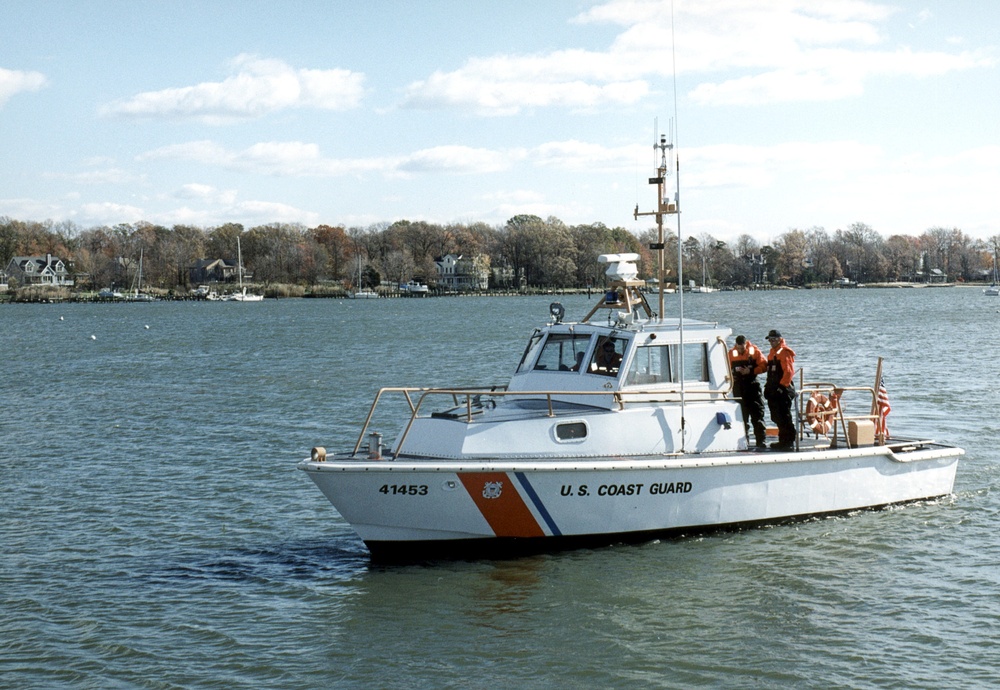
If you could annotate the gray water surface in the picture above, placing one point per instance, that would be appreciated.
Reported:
(154, 532)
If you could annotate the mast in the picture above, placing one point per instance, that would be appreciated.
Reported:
(664, 206)
(138, 289)
(239, 261)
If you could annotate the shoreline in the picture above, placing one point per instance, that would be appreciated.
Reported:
(44, 296)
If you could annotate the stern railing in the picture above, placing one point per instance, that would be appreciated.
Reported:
(836, 395)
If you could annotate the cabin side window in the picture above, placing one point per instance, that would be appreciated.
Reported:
(650, 365)
(562, 352)
(696, 362)
(656, 364)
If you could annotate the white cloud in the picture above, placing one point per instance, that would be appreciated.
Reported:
(274, 212)
(26, 208)
(454, 159)
(756, 167)
(205, 193)
(579, 155)
(280, 158)
(506, 85)
(202, 151)
(793, 50)
(13, 82)
(257, 87)
(514, 196)
(298, 159)
(110, 212)
(113, 175)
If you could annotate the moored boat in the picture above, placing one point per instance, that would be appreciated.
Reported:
(993, 290)
(242, 295)
(621, 426)
(414, 288)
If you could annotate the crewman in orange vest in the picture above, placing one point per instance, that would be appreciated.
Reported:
(747, 361)
(779, 389)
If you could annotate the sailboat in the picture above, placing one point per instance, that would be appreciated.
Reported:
(361, 292)
(242, 295)
(704, 280)
(994, 289)
(137, 294)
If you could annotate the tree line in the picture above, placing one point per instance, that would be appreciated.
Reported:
(525, 252)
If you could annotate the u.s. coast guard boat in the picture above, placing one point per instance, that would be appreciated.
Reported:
(619, 427)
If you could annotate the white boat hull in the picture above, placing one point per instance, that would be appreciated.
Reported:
(417, 508)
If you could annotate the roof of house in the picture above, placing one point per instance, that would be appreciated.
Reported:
(52, 263)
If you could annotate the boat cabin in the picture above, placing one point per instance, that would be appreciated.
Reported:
(634, 354)
(642, 359)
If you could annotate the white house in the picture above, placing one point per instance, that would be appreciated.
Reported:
(39, 270)
(457, 272)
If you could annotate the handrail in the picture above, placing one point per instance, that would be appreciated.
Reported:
(620, 398)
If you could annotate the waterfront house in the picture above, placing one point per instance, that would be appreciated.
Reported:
(39, 270)
(457, 272)
(212, 271)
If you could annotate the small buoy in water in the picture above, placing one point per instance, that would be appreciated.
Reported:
(146, 327)
(62, 318)
(93, 337)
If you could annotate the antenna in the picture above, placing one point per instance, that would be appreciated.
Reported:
(680, 243)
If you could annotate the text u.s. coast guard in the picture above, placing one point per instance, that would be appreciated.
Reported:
(654, 489)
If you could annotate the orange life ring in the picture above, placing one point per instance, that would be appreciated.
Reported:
(820, 412)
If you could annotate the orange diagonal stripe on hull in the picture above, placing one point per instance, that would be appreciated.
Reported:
(507, 514)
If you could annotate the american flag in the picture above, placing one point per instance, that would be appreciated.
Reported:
(882, 406)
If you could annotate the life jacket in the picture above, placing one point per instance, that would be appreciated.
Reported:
(752, 357)
(780, 366)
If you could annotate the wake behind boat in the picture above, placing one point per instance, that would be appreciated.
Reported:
(621, 426)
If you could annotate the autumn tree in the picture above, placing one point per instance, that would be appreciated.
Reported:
(334, 263)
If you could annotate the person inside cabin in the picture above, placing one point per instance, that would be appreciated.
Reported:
(747, 361)
(779, 389)
(607, 360)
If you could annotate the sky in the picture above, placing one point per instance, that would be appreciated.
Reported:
(784, 114)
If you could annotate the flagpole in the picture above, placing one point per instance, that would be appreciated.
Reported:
(875, 411)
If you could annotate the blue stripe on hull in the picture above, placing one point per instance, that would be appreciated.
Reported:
(538, 503)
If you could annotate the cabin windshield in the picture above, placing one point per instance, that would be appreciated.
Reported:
(653, 364)
(562, 352)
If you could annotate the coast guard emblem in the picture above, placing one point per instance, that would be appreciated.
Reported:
(492, 489)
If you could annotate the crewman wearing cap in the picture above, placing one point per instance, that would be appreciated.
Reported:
(779, 389)
(747, 361)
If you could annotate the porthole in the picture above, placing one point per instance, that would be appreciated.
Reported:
(571, 431)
